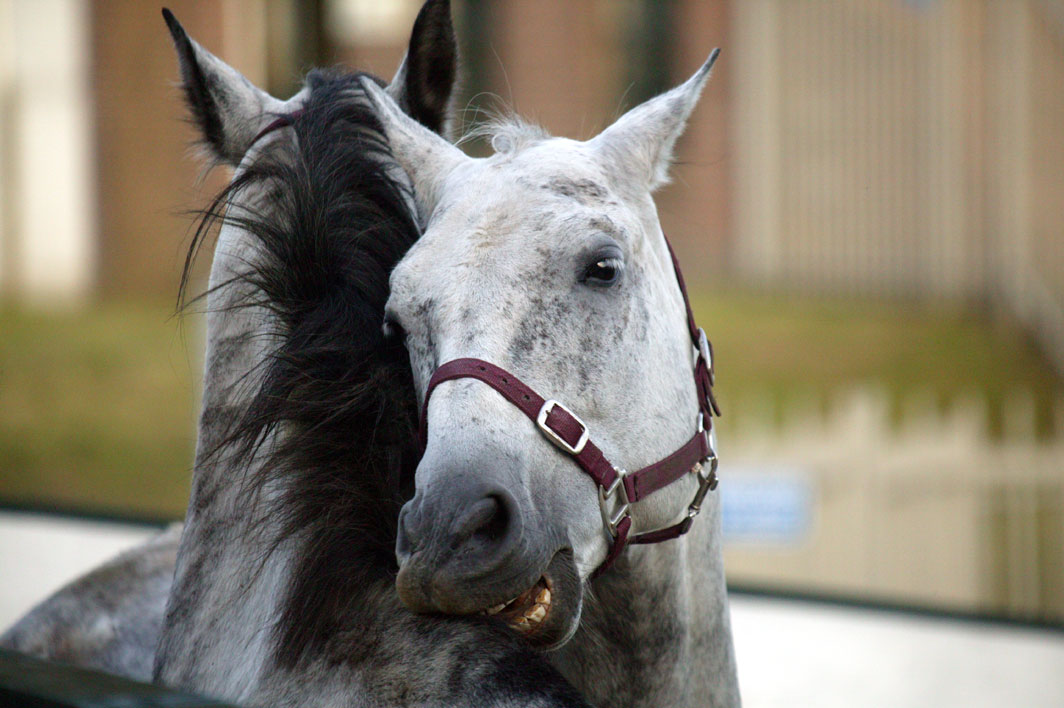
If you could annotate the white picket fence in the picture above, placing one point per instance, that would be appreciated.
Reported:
(927, 510)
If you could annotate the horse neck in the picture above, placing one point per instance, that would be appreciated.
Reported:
(655, 630)
(219, 618)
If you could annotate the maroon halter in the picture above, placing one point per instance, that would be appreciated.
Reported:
(563, 428)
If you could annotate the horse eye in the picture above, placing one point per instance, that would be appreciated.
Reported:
(603, 272)
(392, 329)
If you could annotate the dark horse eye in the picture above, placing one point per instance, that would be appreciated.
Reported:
(604, 271)
(392, 329)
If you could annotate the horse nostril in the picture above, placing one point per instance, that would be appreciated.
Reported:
(487, 520)
(494, 529)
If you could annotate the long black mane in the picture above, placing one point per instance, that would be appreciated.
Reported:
(335, 392)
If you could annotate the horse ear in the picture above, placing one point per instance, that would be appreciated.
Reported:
(425, 80)
(643, 138)
(229, 110)
(424, 156)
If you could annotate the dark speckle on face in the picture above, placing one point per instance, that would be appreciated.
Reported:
(584, 191)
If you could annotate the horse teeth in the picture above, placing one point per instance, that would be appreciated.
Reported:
(537, 614)
(496, 609)
(543, 597)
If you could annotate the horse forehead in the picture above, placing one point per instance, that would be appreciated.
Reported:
(515, 199)
(554, 167)
(516, 209)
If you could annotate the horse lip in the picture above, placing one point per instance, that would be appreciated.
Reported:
(426, 588)
(413, 588)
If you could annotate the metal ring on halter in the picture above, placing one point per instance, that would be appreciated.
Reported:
(606, 495)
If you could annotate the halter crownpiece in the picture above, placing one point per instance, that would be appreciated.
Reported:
(617, 489)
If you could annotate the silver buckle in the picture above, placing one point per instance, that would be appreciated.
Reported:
(705, 352)
(711, 435)
(541, 421)
(703, 348)
(605, 496)
(706, 482)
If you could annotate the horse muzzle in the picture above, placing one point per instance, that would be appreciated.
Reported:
(476, 551)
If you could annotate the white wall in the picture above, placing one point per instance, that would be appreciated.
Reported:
(47, 218)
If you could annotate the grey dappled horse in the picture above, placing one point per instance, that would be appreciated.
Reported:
(284, 588)
(543, 273)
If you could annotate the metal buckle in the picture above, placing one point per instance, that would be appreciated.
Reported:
(707, 481)
(541, 421)
(705, 351)
(605, 495)
(711, 438)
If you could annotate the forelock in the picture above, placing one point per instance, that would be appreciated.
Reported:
(506, 133)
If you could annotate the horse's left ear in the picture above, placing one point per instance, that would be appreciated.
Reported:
(425, 80)
(228, 109)
(641, 141)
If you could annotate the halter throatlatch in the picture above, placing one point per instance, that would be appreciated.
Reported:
(617, 489)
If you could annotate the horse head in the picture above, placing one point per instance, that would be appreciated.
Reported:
(543, 264)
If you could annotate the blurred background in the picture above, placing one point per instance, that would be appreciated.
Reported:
(869, 207)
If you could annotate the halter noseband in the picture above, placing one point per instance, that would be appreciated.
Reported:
(617, 489)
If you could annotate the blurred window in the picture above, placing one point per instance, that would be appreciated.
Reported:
(354, 22)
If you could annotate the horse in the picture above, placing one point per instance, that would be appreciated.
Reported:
(284, 586)
(552, 347)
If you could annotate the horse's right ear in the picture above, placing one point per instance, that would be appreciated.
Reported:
(424, 84)
(228, 109)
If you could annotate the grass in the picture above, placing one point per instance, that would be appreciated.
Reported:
(97, 407)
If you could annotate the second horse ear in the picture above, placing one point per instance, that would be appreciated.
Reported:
(424, 84)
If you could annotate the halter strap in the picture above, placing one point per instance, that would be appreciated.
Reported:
(283, 121)
(617, 489)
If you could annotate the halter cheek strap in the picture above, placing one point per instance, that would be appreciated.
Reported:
(617, 489)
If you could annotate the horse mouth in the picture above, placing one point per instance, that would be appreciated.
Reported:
(527, 612)
(547, 613)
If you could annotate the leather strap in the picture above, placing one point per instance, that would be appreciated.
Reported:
(559, 420)
(283, 121)
(661, 474)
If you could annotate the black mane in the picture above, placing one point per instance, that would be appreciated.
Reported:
(341, 394)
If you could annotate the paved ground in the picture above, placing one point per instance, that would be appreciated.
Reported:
(790, 653)
(797, 654)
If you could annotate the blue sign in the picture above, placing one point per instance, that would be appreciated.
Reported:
(765, 504)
